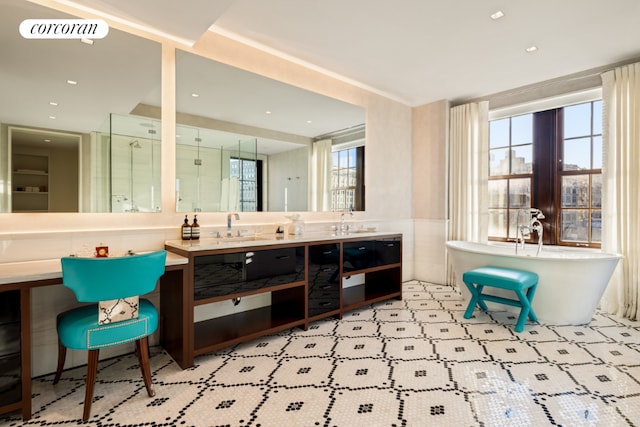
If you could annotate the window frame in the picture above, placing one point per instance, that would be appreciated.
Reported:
(358, 188)
(547, 173)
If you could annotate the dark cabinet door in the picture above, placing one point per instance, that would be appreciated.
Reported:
(218, 275)
(227, 274)
(324, 278)
(270, 263)
(388, 251)
(10, 352)
(358, 255)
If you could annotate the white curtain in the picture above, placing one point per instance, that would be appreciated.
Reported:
(321, 176)
(621, 187)
(468, 174)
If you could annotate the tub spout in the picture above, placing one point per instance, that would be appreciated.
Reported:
(537, 227)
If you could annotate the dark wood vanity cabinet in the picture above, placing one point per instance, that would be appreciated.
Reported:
(229, 277)
(304, 281)
(10, 352)
(324, 280)
(379, 260)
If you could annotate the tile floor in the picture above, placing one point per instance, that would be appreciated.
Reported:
(415, 362)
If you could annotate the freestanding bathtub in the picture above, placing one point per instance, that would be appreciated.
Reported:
(571, 281)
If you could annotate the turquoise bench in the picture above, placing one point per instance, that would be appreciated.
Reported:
(517, 281)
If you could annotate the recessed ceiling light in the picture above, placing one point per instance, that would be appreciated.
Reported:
(531, 49)
(72, 82)
(497, 15)
(52, 117)
(53, 104)
(309, 121)
(87, 41)
(267, 112)
(47, 140)
(195, 95)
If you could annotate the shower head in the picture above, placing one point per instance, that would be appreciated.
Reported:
(135, 144)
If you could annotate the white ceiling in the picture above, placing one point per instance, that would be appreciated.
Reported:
(414, 51)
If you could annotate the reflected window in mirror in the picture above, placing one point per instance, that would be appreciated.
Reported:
(347, 179)
(248, 172)
(285, 120)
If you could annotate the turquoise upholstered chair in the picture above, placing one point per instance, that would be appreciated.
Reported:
(98, 280)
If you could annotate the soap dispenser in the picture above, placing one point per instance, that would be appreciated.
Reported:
(195, 229)
(186, 229)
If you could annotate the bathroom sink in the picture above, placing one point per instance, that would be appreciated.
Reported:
(233, 239)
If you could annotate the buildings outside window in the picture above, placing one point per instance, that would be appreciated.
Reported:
(248, 172)
(551, 160)
(347, 180)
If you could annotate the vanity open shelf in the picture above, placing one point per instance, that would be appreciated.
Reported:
(298, 280)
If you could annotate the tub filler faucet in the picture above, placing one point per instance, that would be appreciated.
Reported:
(524, 230)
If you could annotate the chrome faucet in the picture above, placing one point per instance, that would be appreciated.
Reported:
(229, 233)
(524, 230)
(343, 227)
(536, 226)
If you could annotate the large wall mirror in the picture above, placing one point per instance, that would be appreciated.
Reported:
(248, 143)
(69, 141)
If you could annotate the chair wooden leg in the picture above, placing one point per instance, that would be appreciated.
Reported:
(62, 355)
(142, 349)
(92, 370)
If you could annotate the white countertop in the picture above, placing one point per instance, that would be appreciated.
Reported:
(27, 271)
(213, 243)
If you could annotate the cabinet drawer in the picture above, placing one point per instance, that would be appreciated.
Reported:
(217, 275)
(10, 380)
(324, 291)
(9, 339)
(246, 272)
(9, 307)
(324, 265)
(270, 263)
(319, 306)
(388, 251)
(358, 255)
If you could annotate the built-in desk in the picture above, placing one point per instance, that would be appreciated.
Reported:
(16, 281)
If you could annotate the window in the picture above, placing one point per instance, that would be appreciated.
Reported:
(581, 173)
(249, 174)
(510, 172)
(551, 160)
(347, 180)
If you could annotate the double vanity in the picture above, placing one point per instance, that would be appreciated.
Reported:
(296, 279)
(302, 279)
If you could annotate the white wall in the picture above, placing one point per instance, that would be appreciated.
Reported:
(430, 136)
(288, 170)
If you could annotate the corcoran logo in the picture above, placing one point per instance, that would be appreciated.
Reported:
(64, 29)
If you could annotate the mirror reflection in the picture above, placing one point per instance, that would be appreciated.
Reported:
(307, 152)
(66, 122)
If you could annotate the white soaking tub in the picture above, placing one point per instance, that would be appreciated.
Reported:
(571, 280)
